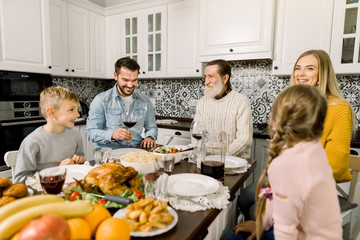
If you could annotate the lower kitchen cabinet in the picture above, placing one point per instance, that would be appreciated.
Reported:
(261, 147)
(88, 146)
(180, 137)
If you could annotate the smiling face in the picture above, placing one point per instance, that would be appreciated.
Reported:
(66, 113)
(127, 81)
(306, 70)
(214, 83)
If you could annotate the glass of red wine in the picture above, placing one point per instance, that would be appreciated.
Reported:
(130, 119)
(197, 130)
(52, 179)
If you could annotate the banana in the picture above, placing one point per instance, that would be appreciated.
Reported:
(27, 202)
(17, 221)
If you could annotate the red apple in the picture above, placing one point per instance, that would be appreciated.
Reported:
(47, 227)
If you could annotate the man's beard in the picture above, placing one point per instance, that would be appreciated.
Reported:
(216, 90)
(121, 88)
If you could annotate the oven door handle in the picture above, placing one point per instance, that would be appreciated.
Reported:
(22, 123)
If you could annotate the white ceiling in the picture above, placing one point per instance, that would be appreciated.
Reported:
(109, 3)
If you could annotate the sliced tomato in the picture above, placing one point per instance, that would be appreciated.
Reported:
(147, 178)
(77, 184)
(75, 196)
(180, 150)
(101, 201)
(174, 151)
(138, 194)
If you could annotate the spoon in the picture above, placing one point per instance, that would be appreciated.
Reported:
(168, 142)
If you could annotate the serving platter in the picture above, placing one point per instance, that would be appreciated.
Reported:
(191, 185)
(76, 171)
(122, 213)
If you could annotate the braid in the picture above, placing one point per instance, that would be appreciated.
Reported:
(276, 147)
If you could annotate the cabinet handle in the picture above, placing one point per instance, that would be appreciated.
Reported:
(178, 133)
(66, 70)
(72, 70)
(231, 50)
(276, 67)
(197, 70)
(49, 67)
(143, 72)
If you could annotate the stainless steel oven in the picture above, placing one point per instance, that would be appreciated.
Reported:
(19, 108)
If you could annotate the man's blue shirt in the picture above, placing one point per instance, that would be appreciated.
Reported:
(106, 114)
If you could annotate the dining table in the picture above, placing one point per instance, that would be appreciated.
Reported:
(194, 225)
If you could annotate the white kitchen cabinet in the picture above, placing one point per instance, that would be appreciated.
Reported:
(300, 28)
(113, 48)
(261, 156)
(236, 29)
(97, 45)
(143, 38)
(24, 36)
(345, 41)
(181, 137)
(183, 22)
(70, 49)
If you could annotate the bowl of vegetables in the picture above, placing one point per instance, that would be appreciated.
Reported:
(175, 150)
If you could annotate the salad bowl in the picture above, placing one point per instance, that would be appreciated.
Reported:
(174, 150)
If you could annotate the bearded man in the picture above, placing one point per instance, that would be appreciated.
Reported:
(224, 109)
(108, 111)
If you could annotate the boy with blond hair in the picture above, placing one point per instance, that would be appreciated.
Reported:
(55, 143)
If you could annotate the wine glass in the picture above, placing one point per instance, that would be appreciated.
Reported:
(52, 179)
(130, 119)
(197, 130)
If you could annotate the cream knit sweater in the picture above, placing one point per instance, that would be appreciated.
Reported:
(231, 114)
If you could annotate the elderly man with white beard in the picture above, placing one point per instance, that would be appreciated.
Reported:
(224, 109)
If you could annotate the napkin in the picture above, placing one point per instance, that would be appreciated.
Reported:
(217, 200)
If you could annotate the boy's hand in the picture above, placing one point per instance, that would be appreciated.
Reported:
(247, 226)
(78, 159)
(121, 134)
(67, 161)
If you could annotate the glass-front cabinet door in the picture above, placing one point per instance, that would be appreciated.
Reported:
(345, 47)
(144, 39)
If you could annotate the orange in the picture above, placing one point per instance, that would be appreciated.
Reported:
(113, 229)
(79, 228)
(94, 218)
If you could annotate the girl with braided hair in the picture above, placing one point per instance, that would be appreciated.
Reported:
(300, 199)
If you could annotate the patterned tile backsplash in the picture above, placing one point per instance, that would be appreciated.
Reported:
(178, 97)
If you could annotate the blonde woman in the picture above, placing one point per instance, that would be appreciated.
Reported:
(314, 68)
(297, 177)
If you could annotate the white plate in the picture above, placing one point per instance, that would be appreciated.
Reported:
(121, 213)
(117, 153)
(191, 184)
(76, 171)
(30, 191)
(230, 161)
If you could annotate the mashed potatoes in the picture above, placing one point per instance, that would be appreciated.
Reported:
(140, 157)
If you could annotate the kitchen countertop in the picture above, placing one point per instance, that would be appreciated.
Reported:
(184, 124)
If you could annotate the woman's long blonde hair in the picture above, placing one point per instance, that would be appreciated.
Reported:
(327, 84)
(297, 114)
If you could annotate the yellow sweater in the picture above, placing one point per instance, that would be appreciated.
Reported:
(336, 138)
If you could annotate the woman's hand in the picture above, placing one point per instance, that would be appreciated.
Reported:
(247, 226)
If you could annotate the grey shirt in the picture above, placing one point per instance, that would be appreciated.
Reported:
(41, 149)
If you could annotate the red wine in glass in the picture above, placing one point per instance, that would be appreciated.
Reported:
(213, 169)
(129, 124)
(53, 184)
(197, 136)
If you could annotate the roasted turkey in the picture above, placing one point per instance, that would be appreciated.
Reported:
(113, 178)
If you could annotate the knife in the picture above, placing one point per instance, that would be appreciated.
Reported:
(114, 198)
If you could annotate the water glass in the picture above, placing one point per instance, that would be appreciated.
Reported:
(164, 165)
(52, 179)
(102, 155)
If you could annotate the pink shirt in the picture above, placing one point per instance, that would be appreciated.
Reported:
(311, 209)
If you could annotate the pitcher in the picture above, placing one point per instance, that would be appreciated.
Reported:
(216, 148)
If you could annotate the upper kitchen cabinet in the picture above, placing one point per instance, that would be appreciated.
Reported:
(143, 38)
(113, 46)
(300, 26)
(183, 20)
(345, 41)
(70, 47)
(97, 45)
(236, 29)
(24, 36)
